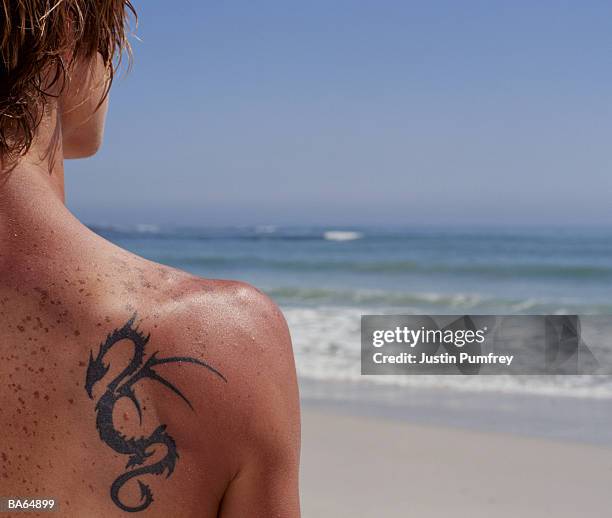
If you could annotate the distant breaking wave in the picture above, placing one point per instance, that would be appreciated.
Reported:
(341, 235)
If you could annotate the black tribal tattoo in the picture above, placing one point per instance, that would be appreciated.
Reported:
(122, 386)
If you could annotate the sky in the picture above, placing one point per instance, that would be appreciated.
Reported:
(352, 112)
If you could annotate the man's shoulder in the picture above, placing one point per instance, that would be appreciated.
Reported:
(223, 309)
(234, 295)
(231, 322)
(240, 333)
(183, 305)
(232, 325)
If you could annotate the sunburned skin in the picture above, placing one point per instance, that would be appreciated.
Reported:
(129, 387)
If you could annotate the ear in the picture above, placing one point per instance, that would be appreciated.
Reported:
(82, 115)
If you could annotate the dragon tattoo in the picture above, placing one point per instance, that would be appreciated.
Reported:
(122, 386)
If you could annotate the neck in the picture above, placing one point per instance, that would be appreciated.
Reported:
(42, 167)
(32, 192)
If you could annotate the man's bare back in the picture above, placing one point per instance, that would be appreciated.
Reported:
(231, 418)
(128, 386)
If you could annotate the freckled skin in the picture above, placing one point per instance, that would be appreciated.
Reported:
(52, 441)
(62, 290)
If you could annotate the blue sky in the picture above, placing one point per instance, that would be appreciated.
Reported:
(354, 112)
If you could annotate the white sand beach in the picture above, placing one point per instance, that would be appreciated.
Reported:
(362, 467)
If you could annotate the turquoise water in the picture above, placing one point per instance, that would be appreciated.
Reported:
(325, 278)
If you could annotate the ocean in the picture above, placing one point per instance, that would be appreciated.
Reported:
(324, 279)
